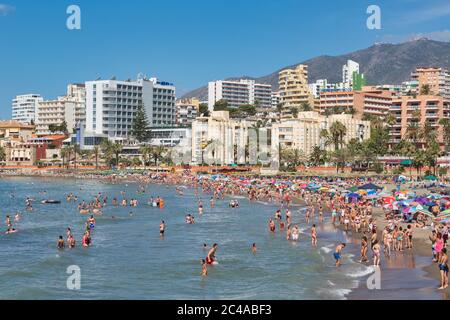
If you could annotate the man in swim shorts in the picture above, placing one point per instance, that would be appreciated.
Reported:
(338, 254)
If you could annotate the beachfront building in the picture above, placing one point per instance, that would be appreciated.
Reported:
(69, 109)
(294, 89)
(24, 107)
(304, 132)
(421, 108)
(170, 137)
(275, 99)
(15, 130)
(187, 111)
(437, 80)
(111, 105)
(239, 92)
(218, 139)
(359, 103)
(322, 85)
(410, 88)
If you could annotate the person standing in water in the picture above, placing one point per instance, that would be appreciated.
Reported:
(162, 228)
(443, 268)
(204, 268)
(211, 257)
(60, 243)
(254, 248)
(338, 253)
(314, 235)
(271, 225)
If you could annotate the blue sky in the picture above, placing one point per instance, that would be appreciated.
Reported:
(190, 42)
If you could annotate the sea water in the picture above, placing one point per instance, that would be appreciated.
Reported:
(129, 260)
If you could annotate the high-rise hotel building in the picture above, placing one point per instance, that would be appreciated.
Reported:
(111, 105)
(238, 93)
(294, 88)
(24, 107)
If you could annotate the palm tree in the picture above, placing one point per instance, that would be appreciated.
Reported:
(279, 110)
(116, 149)
(112, 149)
(339, 157)
(427, 133)
(95, 152)
(445, 123)
(146, 151)
(64, 153)
(419, 160)
(293, 157)
(157, 153)
(257, 127)
(294, 112)
(337, 132)
(318, 156)
(2, 154)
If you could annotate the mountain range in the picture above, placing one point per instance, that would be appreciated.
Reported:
(382, 63)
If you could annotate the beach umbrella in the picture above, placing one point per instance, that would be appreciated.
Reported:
(424, 212)
(430, 178)
(353, 195)
(370, 186)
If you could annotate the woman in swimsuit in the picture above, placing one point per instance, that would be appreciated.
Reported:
(376, 253)
(313, 235)
(364, 246)
(295, 233)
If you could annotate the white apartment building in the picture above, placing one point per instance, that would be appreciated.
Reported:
(187, 111)
(303, 133)
(55, 112)
(322, 85)
(238, 93)
(24, 107)
(219, 139)
(70, 108)
(111, 105)
(347, 73)
(275, 99)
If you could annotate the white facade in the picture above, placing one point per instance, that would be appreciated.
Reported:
(304, 133)
(347, 72)
(24, 107)
(219, 139)
(70, 108)
(275, 99)
(187, 111)
(238, 93)
(111, 105)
